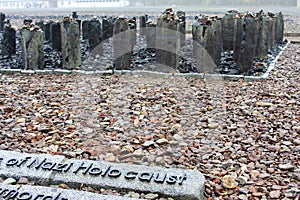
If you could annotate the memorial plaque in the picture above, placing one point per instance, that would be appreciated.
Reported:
(49, 170)
(228, 30)
(49, 193)
(94, 34)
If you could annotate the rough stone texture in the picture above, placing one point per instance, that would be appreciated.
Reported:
(122, 44)
(238, 35)
(167, 41)
(32, 48)
(26, 170)
(262, 44)
(94, 35)
(279, 28)
(47, 29)
(177, 183)
(37, 192)
(70, 36)
(150, 32)
(206, 48)
(2, 18)
(85, 29)
(143, 22)
(55, 35)
(246, 54)
(9, 41)
(182, 27)
(107, 27)
(272, 32)
(228, 31)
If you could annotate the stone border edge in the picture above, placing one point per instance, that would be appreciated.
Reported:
(157, 74)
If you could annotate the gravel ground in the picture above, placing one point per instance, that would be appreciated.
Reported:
(243, 136)
(245, 131)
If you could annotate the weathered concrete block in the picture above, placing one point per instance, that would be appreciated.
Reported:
(55, 35)
(207, 46)
(2, 18)
(38, 192)
(107, 27)
(9, 41)
(122, 44)
(228, 30)
(245, 55)
(168, 40)
(150, 33)
(32, 48)
(262, 44)
(182, 27)
(94, 35)
(70, 38)
(272, 32)
(279, 28)
(143, 22)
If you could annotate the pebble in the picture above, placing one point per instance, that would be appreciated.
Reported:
(9, 181)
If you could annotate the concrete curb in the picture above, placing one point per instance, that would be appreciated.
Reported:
(148, 73)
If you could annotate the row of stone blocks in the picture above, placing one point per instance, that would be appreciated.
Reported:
(247, 35)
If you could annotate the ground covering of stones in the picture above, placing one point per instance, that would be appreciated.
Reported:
(243, 136)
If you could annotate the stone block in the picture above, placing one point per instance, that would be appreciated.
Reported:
(32, 166)
(48, 170)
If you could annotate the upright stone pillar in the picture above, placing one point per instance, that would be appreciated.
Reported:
(168, 39)
(121, 44)
(107, 27)
(143, 24)
(85, 29)
(262, 44)
(182, 27)
(2, 18)
(47, 29)
(238, 37)
(248, 46)
(32, 39)
(70, 38)
(55, 36)
(206, 46)
(217, 26)
(9, 41)
(272, 32)
(279, 28)
(132, 27)
(94, 34)
(150, 33)
(228, 30)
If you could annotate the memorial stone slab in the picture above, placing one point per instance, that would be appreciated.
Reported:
(49, 193)
(150, 33)
(31, 166)
(107, 27)
(45, 169)
(85, 29)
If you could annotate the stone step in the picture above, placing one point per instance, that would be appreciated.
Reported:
(48, 170)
